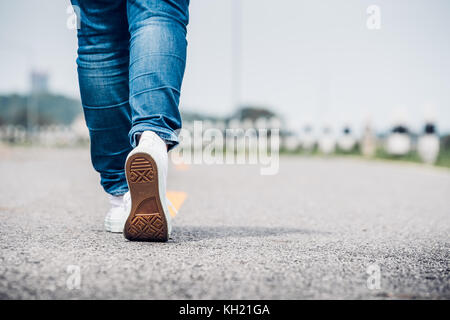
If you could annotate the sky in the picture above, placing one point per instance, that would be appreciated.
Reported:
(310, 61)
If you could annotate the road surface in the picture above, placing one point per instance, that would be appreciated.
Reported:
(322, 228)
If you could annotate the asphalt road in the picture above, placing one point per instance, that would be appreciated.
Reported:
(312, 231)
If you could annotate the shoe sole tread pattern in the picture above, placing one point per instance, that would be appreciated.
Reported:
(146, 221)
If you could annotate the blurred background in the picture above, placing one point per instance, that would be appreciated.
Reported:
(352, 77)
(343, 81)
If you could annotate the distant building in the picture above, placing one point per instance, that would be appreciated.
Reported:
(346, 141)
(308, 140)
(368, 141)
(39, 82)
(398, 142)
(428, 144)
(327, 142)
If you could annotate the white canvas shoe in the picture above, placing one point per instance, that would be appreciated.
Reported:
(120, 208)
(146, 172)
(117, 214)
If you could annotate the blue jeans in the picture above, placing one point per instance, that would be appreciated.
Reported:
(131, 61)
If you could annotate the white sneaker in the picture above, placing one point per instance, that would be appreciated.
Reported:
(120, 208)
(146, 171)
(117, 214)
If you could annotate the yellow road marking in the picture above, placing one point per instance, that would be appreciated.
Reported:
(176, 198)
(181, 167)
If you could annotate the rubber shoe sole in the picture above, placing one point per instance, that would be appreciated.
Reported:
(146, 221)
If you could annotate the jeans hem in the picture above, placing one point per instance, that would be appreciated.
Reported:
(117, 192)
(169, 137)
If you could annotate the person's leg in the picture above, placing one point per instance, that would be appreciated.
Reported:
(103, 60)
(157, 63)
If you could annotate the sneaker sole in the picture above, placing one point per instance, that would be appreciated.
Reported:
(146, 221)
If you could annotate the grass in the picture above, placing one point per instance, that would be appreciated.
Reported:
(443, 159)
(410, 157)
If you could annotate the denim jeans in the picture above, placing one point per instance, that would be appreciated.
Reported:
(131, 61)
